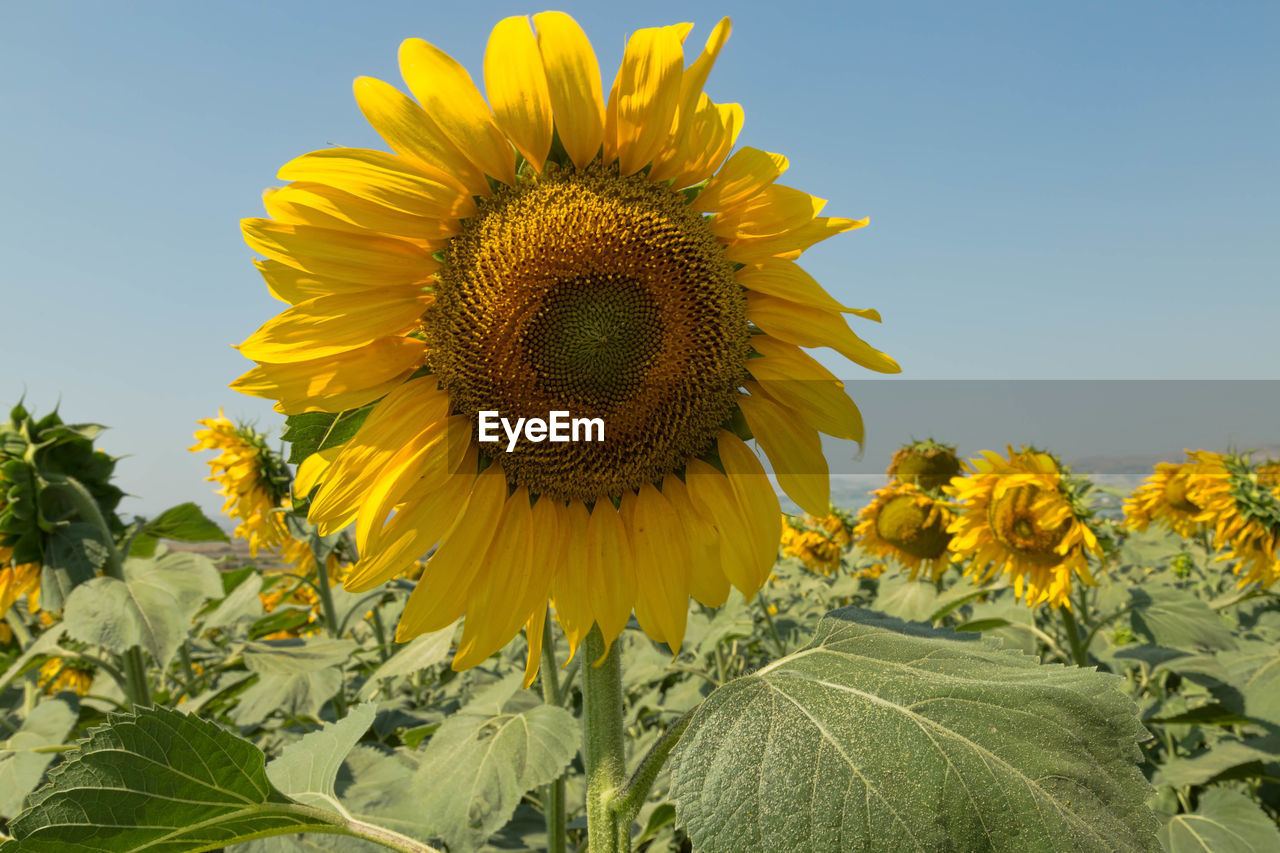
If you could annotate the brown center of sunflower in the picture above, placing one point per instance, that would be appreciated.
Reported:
(1016, 525)
(928, 468)
(1175, 494)
(916, 529)
(597, 295)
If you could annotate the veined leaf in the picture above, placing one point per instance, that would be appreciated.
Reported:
(307, 769)
(314, 431)
(1225, 821)
(295, 677)
(183, 523)
(20, 766)
(160, 781)
(1172, 617)
(891, 736)
(419, 653)
(152, 607)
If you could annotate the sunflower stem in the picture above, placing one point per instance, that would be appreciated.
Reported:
(604, 747)
(773, 629)
(1079, 652)
(332, 627)
(555, 808)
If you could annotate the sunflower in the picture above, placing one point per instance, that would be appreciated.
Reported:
(909, 524)
(1240, 501)
(927, 464)
(1162, 498)
(58, 674)
(255, 482)
(818, 543)
(553, 250)
(1023, 516)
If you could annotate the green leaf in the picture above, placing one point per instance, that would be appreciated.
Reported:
(295, 677)
(1227, 757)
(74, 555)
(152, 607)
(307, 769)
(184, 523)
(1225, 821)
(241, 603)
(158, 780)
(20, 767)
(885, 735)
(1254, 675)
(1167, 616)
(315, 431)
(420, 653)
(476, 768)
(906, 599)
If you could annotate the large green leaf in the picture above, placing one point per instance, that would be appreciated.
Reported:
(161, 781)
(74, 555)
(1225, 821)
(1227, 757)
(152, 607)
(307, 769)
(314, 431)
(892, 736)
(1253, 673)
(477, 767)
(419, 653)
(21, 766)
(1168, 616)
(295, 677)
(904, 598)
(182, 523)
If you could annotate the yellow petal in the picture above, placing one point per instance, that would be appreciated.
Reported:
(411, 133)
(573, 83)
(793, 378)
(683, 146)
(292, 285)
(662, 566)
(383, 179)
(707, 582)
(785, 280)
(446, 581)
(747, 172)
(791, 244)
(338, 382)
(570, 584)
(714, 132)
(756, 499)
(423, 519)
(302, 203)
(328, 325)
(773, 210)
(312, 469)
(794, 450)
(533, 634)
(713, 497)
(450, 98)
(517, 88)
(813, 327)
(645, 97)
(611, 576)
(371, 259)
(402, 416)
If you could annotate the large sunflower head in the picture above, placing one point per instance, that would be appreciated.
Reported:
(541, 248)
(908, 524)
(1023, 516)
(927, 464)
(251, 476)
(1163, 498)
(1240, 501)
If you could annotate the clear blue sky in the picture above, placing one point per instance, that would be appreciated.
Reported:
(1056, 189)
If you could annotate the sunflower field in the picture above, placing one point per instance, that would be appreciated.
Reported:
(404, 635)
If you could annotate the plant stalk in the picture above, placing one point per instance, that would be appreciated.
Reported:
(1079, 651)
(637, 789)
(604, 746)
(555, 808)
(331, 624)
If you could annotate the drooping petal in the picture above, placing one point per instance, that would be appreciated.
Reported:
(411, 133)
(747, 172)
(662, 565)
(329, 325)
(707, 582)
(517, 88)
(312, 469)
(795, 451)
(756, 498)
(809, 390)
(338, 382)
(611, 575)
(451, 99)
(570, 586)
(573, 83)
(813, 327)
(373, 259)
(712, 495)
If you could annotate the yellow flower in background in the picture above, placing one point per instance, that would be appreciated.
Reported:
(254, 480)
(926, 464)
(17, 581)
(1240, 501)
(818, 543)
(1020, 517)
(1162, 499)
(58, 674)
(908, 524)
(553, 250)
